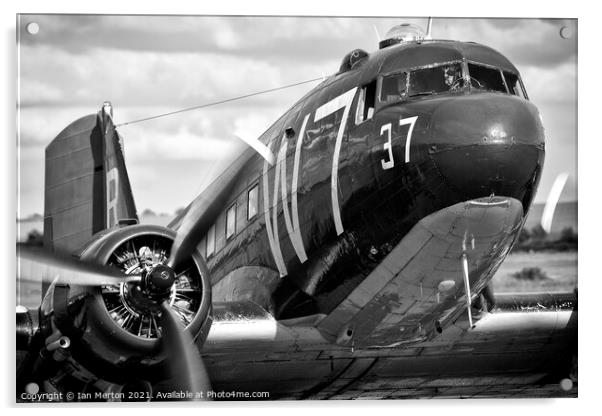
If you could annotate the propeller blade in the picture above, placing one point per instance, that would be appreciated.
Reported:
(201, 213)
(183, 358)
(38, 265)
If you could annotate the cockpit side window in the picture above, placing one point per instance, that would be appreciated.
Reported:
(514, 85)
(434, 80)
(486, 78)
(394, 87)
(365, 103)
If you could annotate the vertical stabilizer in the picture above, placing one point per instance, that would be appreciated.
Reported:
(87, 188)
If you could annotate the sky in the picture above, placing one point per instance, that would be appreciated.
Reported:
(148, 65)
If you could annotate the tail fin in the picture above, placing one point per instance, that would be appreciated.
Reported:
(87, 187)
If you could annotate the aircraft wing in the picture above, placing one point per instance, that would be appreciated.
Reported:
(523, 349)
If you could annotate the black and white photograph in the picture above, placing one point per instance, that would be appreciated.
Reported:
(263, 208)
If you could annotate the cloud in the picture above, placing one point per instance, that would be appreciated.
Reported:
(293, 39)
(56, 77)
(272, 37)
(550, 86)
(168, 184)
(523, 41)
(39, 125)
(149, 65)
(191, 135)
(179, 144)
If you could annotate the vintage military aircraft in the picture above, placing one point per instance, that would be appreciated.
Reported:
(346, 253)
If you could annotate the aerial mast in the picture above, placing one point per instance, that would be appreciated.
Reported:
(429, 26)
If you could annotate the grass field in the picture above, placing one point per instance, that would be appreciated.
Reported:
(560, 267)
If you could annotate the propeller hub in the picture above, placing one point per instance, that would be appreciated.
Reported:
(159, 280)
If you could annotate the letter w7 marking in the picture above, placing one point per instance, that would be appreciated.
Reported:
(292, 224)
(342, 101)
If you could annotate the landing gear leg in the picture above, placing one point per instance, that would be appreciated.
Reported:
(467, 288)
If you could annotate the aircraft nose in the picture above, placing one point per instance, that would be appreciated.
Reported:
(486, 144)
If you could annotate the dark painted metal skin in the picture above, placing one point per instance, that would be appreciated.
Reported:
(465, 145)
(267, 331)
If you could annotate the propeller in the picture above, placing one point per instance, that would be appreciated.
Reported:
(183, 360)
(203, 210)
(40, 266)
(185, 242)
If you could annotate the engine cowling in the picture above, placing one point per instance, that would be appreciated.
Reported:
(121, 334)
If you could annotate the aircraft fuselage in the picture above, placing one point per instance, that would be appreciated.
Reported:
(349, 183)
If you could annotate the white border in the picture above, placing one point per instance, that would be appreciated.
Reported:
(589, 200)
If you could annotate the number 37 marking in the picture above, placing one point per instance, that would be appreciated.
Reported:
(388, 145)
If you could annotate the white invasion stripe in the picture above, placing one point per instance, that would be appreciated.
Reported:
(282, 268)
(411, 121)
(296, 173)
(552, 201)
(272, 233)
(343, 100)
(260, 148)
(293, 234)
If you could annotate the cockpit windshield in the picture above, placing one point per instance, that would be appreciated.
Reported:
(436, 79)
(515, 87)
(486, 78)
(394, 87)
(446, 78)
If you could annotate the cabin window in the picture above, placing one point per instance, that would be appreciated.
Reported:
(435, 80)
(365, 103)
(231, 221)
(486, 78)
(514, 85)
(210, 241)
(394, 87)
(202, 247)
(252, 201)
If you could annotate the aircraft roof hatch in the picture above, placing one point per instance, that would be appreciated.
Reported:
(404, 32)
